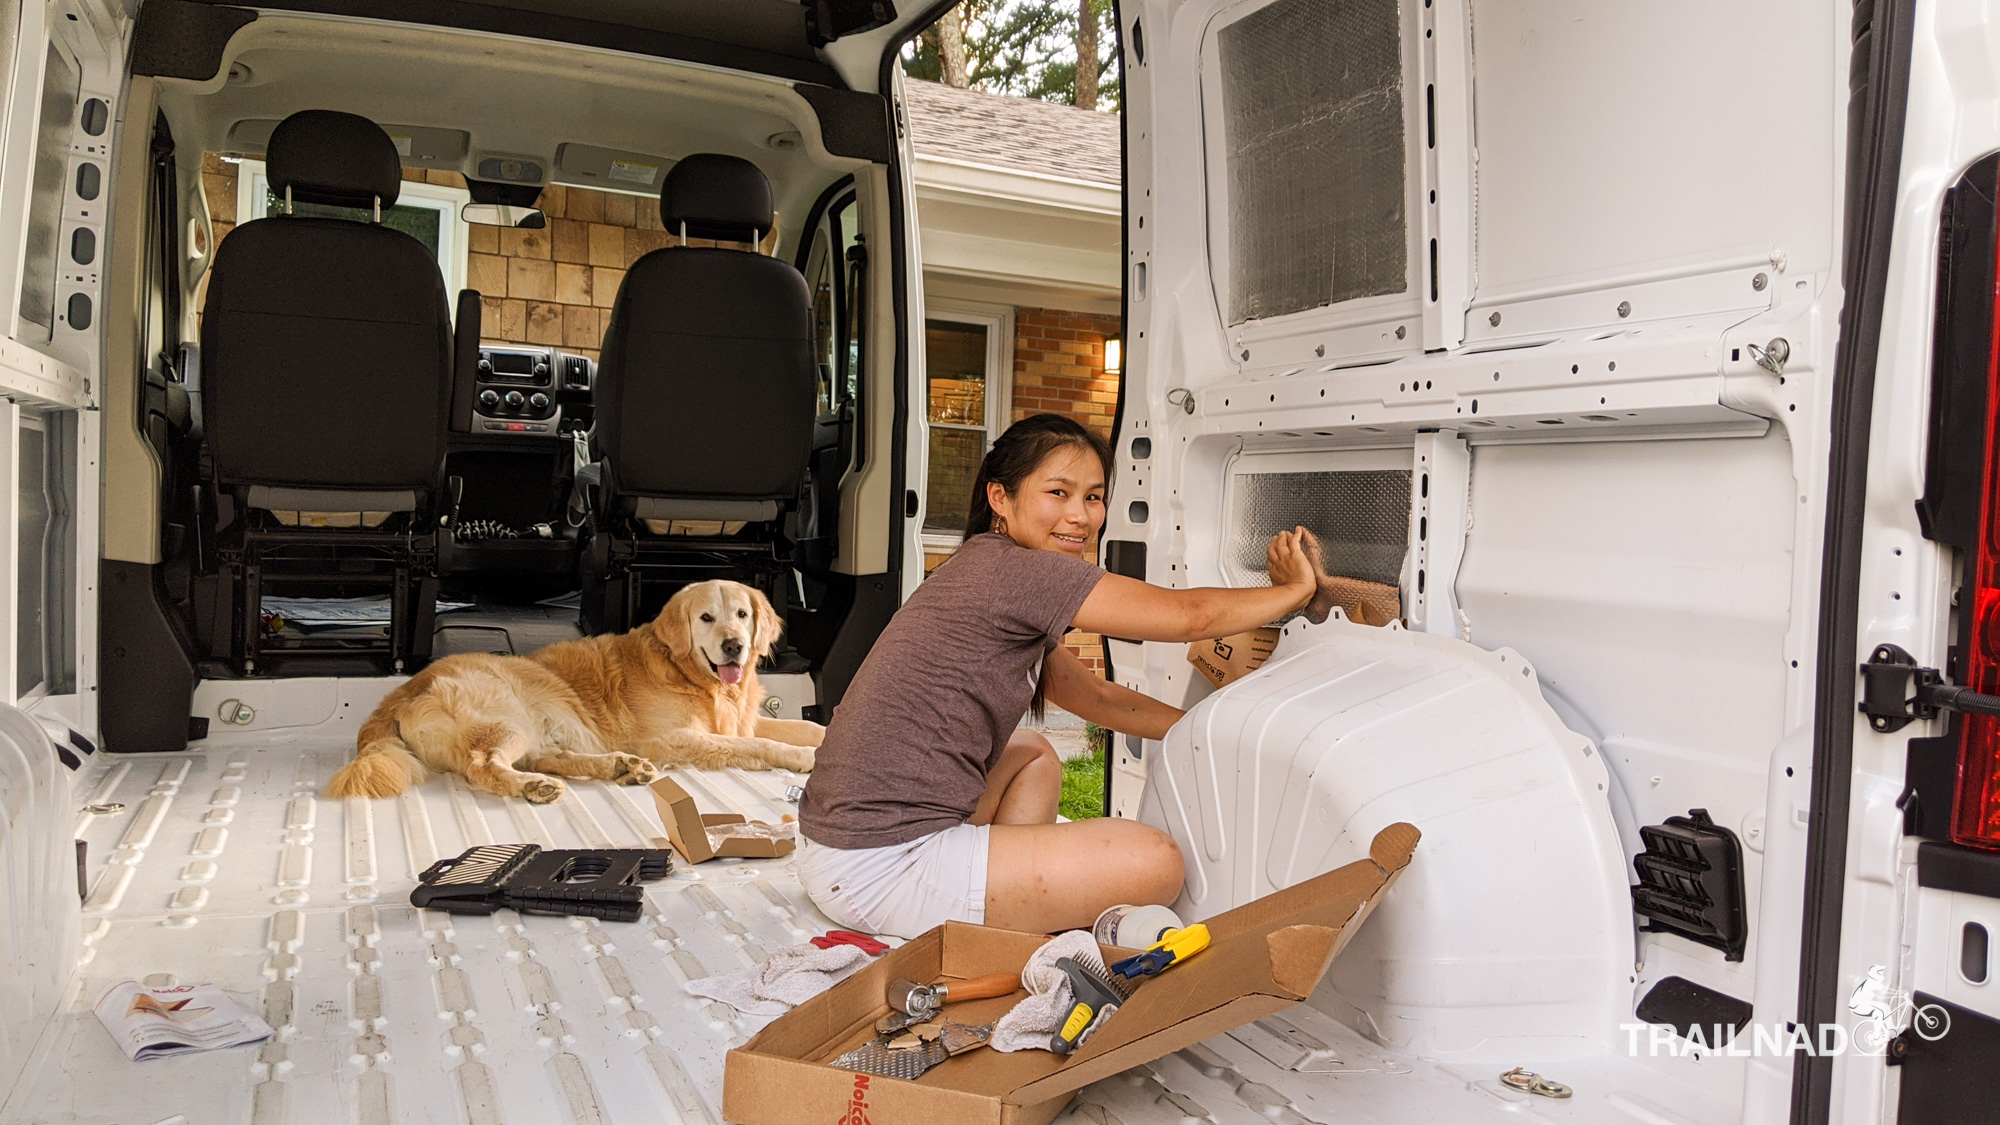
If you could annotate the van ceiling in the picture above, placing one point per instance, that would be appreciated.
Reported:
(774, 37)
(514, 97)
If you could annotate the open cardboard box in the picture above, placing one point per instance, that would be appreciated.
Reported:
(1264, 957)
(687, 829)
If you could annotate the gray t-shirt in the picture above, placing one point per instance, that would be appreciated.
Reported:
(941, 692)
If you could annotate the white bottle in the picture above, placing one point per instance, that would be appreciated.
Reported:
(1134, 927)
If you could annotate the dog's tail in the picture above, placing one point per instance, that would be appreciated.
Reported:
(382, 767)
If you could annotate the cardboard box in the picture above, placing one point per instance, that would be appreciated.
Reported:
(1228, 659)
(1365, 603)
(1265, 957)
(688, 829)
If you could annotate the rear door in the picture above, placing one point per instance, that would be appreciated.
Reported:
(1903, 938)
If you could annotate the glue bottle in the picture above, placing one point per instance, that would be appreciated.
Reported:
(1134, 927)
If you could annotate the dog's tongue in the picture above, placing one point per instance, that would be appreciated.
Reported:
(730, 673)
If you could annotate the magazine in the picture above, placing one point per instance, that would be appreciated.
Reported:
(151, 1022)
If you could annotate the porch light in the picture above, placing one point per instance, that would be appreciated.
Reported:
(1114, 355)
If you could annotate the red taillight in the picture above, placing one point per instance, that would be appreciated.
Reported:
(1975, 813)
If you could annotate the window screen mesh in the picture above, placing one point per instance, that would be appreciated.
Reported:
(1312, 103)
(1362, 519)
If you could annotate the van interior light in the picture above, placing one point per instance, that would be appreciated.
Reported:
(1114, 355)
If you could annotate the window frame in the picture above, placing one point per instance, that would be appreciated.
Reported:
(998, 320)
(1351, 328)
(454, 233)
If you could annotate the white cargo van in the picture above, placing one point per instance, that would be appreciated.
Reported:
(1647, 349)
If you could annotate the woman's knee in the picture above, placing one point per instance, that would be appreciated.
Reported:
(1033, 748)
(1161, 870)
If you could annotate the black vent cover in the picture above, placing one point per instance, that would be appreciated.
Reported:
(1691, 882)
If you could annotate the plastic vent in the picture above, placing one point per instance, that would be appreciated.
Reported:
(1362, 519)
(576, 372)
(1312, 104)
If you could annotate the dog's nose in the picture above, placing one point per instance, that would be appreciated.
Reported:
(733, 649)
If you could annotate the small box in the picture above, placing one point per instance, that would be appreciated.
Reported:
(1225, 660)
(688, 829)
(1264, 957)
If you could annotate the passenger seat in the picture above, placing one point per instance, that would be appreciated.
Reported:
(327, 365)
(705, 390)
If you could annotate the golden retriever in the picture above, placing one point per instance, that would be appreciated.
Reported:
(679, 691)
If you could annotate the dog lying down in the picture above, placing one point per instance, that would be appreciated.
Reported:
(679, 691)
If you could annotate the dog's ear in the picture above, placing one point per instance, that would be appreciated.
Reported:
(672, 628)
(768, 623)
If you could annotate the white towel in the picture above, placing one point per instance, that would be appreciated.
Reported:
(788, 977)
(1030, 1024)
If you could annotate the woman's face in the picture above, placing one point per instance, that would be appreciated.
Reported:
(1059, 506)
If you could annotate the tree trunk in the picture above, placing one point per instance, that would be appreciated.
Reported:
(1086, 55)
(951, 49)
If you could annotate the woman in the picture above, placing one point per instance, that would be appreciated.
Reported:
(925, 804)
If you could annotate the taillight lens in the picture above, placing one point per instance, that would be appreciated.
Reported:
(1975, 814)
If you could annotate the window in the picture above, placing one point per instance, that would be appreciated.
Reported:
(425, 212)
(61, 84)
(835, 272)
(966, 390)
(1312, 119)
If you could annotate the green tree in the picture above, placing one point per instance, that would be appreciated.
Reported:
(1024, 48)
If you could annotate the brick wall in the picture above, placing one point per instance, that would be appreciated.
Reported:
(1059, 366)
(1059, 369)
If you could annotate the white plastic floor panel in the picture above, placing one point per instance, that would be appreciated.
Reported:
(228, 866)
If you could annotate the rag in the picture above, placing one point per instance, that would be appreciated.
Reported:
(788, 977)
(1030, 1023)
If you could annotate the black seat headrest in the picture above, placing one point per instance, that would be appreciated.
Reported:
(720, 197)
(337, 159)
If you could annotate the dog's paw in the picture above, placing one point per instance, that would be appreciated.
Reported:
(802, 760)
(815, 736)
(543, 790)
(634, 770)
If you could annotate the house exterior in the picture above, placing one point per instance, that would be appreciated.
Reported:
(1019, 211)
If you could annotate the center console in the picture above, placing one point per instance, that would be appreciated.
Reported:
(531, 391)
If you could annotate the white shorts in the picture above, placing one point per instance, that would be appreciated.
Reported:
(903, 889)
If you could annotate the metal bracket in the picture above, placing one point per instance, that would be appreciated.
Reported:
(1896, 692)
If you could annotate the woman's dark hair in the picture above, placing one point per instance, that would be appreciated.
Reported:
(1020, 451)
(1014, 455)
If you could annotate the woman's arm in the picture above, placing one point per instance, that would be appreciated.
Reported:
(1093, 698)
(1140, 611)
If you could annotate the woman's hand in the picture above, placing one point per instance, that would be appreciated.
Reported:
(1289, 562)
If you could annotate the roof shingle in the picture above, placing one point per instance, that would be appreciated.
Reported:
(1019, 133)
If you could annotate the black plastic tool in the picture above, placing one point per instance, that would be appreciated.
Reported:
(596, 884)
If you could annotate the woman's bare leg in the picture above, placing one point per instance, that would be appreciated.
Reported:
(1046, 877)
(1024, 786)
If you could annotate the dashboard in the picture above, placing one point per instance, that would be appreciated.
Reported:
(531, 391)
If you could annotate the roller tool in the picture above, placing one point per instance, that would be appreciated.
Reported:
(914, 1003)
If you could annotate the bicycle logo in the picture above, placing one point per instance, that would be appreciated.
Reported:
(1884, 1011)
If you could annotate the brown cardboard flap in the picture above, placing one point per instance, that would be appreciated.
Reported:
(687, 828)
(1263, 957)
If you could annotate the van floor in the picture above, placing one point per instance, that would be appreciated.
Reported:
(226, 865)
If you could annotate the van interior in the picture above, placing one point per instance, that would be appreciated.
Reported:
(1644, 349)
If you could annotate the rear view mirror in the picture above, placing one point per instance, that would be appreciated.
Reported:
(502, 215)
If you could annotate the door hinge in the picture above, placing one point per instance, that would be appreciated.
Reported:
(1896, 691)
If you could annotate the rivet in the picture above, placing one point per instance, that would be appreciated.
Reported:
(1402, 331)
(1624, 308)
(1494, 320)
(1760, 281)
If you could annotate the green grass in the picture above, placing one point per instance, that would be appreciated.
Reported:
(1083, 788)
